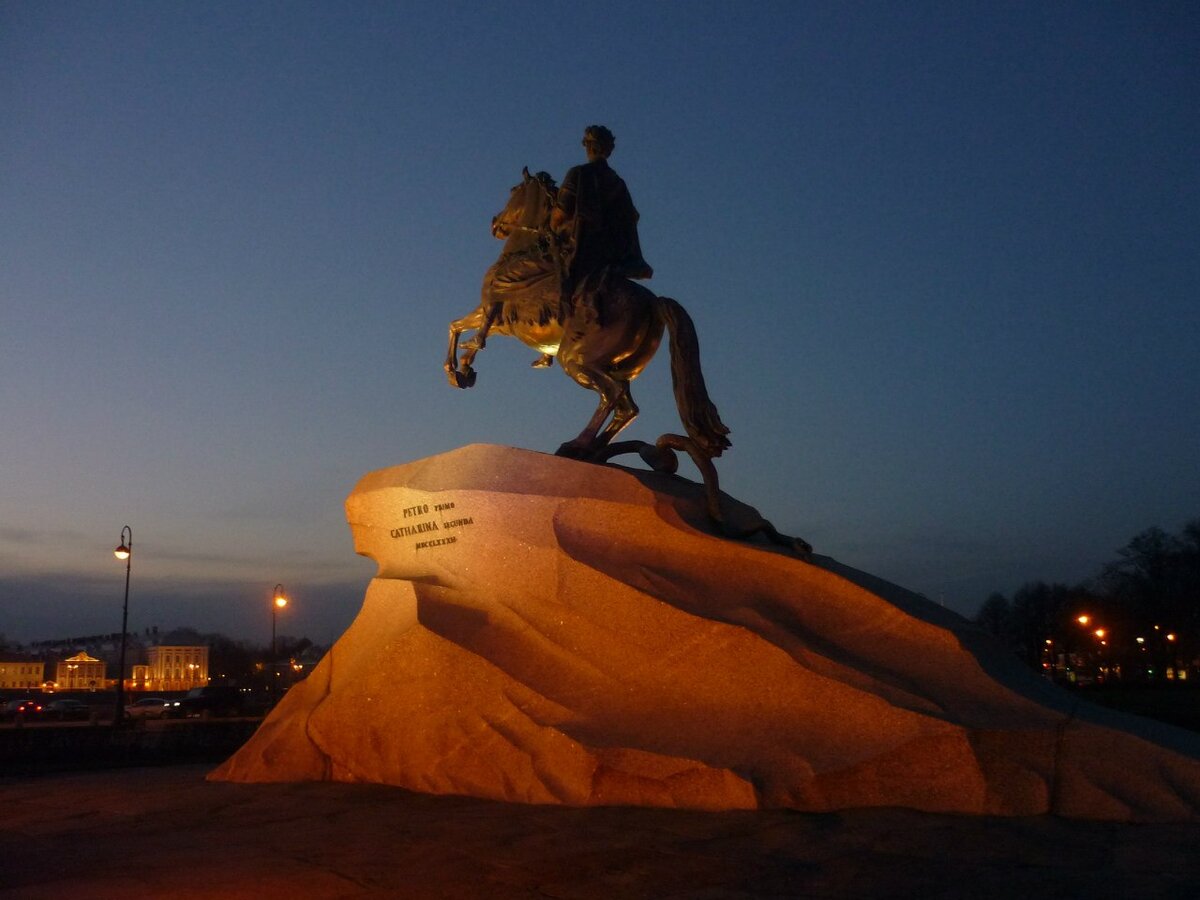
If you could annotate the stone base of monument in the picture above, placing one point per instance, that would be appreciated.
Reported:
(548, 631)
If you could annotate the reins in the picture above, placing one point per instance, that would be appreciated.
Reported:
(547, 242)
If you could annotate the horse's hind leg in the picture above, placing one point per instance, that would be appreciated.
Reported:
(610, 390)
(624, 413)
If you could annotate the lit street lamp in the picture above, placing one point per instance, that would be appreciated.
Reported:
(125, 552)
(278, 602)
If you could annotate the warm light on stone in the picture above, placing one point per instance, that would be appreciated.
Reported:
(548, 631)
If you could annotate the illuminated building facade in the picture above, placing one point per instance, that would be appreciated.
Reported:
(174, 668)
(21, 673)
(81, 673)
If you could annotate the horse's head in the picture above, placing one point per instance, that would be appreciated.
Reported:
(528, 209)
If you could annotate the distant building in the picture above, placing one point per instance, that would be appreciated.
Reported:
(141, 678)
(81, 673)
(18, 674)
(173, 669)
(304, 662)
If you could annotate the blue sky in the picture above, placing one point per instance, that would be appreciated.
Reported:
(941, 257)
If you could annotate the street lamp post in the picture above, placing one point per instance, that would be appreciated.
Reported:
(124, 551)
(278, 602)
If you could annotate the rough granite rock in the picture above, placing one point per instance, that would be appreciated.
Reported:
(548, 631)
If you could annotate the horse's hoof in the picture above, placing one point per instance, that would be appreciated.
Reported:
(462, 380)
(572, 451)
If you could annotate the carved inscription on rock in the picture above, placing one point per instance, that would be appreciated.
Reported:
(430, 525)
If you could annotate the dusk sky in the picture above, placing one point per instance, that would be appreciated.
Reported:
(942, 259)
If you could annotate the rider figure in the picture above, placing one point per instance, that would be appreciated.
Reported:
(596, 219)
(595, 222)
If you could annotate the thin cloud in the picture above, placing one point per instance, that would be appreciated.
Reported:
(11, 535)
(60, 605)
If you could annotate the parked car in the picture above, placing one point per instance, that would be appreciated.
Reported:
(26, 708)
(150, 708)
(211, 700)
(67, 710)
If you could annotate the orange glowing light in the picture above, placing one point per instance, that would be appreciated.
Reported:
(1100, 632)
(1083, 620)
(1170, 637)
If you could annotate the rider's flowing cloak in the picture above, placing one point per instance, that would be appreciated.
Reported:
(603, 223)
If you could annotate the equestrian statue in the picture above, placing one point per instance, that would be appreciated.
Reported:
(565, 285)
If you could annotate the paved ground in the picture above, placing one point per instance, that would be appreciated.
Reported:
(165, 832)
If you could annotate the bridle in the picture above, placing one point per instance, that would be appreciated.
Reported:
(546, 237)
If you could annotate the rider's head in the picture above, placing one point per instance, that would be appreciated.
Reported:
(599, 141)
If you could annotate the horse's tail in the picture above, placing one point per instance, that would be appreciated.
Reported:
(700, 418)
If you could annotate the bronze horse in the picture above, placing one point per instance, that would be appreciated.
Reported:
(603, 338)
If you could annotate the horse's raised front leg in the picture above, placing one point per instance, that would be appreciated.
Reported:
(479, 340)
(460, 374)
